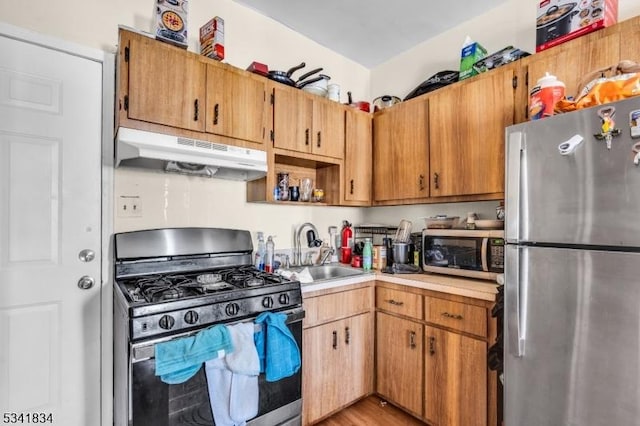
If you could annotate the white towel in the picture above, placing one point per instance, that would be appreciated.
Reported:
(234, 396)
(244, 358)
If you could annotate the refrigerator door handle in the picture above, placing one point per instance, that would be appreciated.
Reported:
(515, 147)
(515, 298)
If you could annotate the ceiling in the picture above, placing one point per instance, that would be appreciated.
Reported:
(370, 32)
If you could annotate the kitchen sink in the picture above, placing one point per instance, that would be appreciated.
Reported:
(330, 272)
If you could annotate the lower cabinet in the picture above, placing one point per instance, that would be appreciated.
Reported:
(399, 361)
(431, 356)
(337, 353)
(455, 376)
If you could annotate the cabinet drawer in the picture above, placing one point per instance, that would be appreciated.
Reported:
(459, 316)
(399, 302)
(334, 306)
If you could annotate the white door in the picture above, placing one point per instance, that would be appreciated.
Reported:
(50, 171)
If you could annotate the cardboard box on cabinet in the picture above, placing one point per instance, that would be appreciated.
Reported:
(559, 21)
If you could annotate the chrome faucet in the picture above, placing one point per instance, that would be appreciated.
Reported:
(298, 247)
(326, 256)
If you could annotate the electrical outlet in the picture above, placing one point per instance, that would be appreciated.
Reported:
(129, 206)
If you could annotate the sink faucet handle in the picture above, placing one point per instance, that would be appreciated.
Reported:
(308, 259)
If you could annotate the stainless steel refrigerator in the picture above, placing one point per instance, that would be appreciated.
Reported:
(572, 269)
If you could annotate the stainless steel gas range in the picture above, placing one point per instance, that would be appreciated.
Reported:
(172, 283)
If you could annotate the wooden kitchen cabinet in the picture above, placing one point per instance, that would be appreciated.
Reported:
(165, 89)
(401, 153)
(455, 379)
(431, 355)
(466, 136)
(165, 85)
(306, 123)
(399, 361)
(236, 106)
(337, 351)
(357, 158)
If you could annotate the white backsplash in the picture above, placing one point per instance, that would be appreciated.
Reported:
(167, 200)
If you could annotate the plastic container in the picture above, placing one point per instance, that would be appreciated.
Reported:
(268, 262)
(261, 252)
(367, 255)
(544, 95)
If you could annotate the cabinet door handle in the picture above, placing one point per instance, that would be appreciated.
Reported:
(412, 339)
(436, 179)
(452, 316)
(216, 112)
(335, 339)
(319, 139)
(347, 335)
(421, 182)
(351, 187)
(432, 345)
(394, 302)
(306, 137)
(195, 110)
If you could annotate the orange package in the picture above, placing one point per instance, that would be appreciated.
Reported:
(606, 89)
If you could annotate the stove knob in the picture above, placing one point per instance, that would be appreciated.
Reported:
(267, 302)
(232, 309)
(166, 322)
(283, 299)
(191, 317)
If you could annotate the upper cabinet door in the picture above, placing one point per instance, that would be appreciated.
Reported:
(328, 128)
(292, 119)
(237, 105)
(401, 152)
(166, 86)
(357, 157)
(467, 135)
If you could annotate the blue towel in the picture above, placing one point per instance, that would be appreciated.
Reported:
(180, 359)
(277, 348)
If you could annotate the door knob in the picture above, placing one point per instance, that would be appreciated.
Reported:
(86, 282)
(87, 255)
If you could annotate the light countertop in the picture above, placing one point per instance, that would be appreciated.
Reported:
(477, 289)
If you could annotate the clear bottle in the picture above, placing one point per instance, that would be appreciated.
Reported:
(367, 255)
(260, 253)
(268, 262)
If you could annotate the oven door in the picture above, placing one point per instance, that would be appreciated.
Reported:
(155, 403)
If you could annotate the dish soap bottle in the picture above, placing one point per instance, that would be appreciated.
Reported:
(367, 255)
(268, 262)
(260, 253)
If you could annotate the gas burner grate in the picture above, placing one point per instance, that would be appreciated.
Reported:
(160, 288)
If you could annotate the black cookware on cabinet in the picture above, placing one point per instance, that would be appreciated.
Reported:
(555, 22)
(284, 77)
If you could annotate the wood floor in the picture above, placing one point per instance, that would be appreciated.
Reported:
(369, 412)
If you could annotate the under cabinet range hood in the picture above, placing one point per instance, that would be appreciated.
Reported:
(139, 148)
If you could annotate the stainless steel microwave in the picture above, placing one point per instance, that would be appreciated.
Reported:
(467, 253)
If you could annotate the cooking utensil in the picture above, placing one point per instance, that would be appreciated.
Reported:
(555, 22)
(385, 101)
(317, 85)
(284, 77)
(403, 233)
(362, 106)
(441, 222)
(489, 224)
(400, 252)
(302, 78)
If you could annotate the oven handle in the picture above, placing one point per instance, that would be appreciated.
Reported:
(143, 351)
(483, 254)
